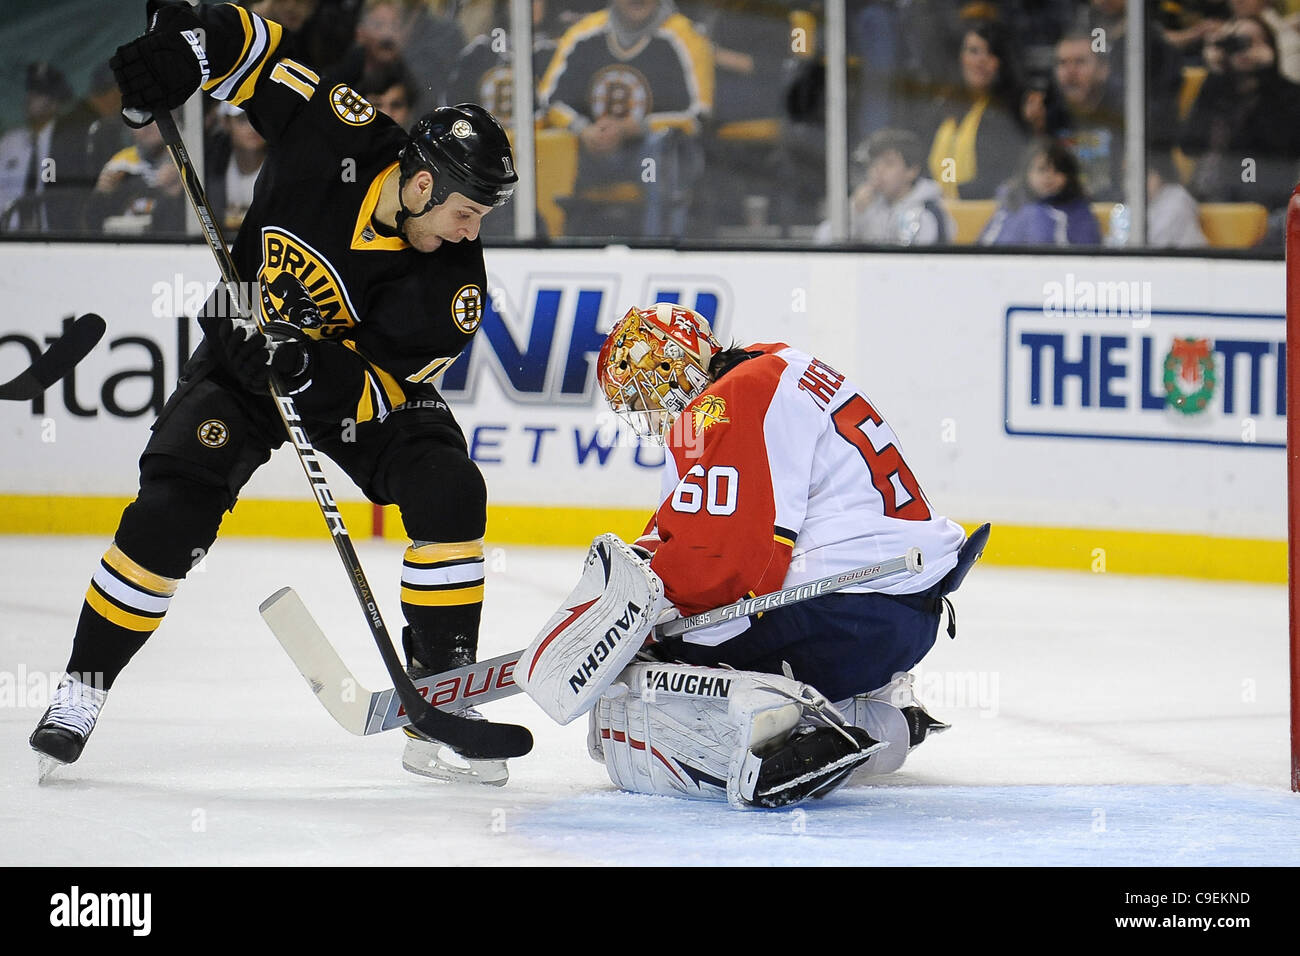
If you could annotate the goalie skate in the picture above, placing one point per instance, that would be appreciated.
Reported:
(432, 758)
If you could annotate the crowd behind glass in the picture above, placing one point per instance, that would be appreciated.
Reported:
(970, 121)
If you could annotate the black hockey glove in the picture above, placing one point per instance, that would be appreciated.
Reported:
(163, 68)
(253, 356)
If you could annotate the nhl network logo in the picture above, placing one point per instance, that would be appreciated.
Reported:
(76, 909)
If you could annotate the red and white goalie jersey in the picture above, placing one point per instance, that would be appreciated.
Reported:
(782, 472)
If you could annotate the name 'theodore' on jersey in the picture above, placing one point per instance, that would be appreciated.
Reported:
(783, 447)
(402, 315)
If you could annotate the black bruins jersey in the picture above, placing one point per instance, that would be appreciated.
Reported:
(666, 78)
(396, 317)
(485, 76)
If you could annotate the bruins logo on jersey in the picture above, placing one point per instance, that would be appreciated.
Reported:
(298, 285)
(496, 92)
(467, 308)
(709, 411)
(214, 433)
(620, 91)
(351, 107)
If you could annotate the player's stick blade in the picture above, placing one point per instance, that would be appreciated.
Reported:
(476, 739)
(57, 361)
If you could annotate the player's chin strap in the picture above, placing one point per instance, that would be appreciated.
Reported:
(403, 213)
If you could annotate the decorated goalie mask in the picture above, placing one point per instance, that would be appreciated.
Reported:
(654, 362)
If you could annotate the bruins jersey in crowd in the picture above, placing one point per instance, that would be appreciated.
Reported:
(484, 74)
(308, 239)
(665, 78)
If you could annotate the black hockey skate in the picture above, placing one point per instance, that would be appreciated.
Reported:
(61, 735)
(809, 764)
(921, 725)
(425, 755)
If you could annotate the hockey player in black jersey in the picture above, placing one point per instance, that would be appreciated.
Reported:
(361, 255)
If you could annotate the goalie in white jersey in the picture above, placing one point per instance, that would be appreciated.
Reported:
(778, 471)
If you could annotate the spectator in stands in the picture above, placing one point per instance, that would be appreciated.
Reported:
(414, 33)
(1286, 30)
(1173, 219)
(896, 202)
(391, 91)
(876, 37)
(379, 44)
(25, 168)
(232, 169)
(483, 73)
(976, 136)
(1243, 130)
(1045, 204)
(328, 35)
(1036, 26)
(84, 139)
(139, 190)
(433, 42)
(1186, 24)
(634, 82)
(1088, 118)
(1164, 67)
(292, 15)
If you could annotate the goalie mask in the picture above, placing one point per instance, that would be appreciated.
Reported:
(653, 364)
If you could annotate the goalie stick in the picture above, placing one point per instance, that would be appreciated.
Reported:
(361, 711)
(469, 738)
(82, 335)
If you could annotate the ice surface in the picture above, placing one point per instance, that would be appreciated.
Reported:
(1097, 719)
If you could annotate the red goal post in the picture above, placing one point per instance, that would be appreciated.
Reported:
(1293, 467)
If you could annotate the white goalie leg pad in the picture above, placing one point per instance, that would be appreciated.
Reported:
(683, 731)
(595, 634)
(880, 713)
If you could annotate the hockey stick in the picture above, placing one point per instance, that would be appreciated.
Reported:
(57, 361)
(362, 711)
(470, 738)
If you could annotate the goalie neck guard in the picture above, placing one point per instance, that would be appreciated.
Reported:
(653, 364)
(467, 152)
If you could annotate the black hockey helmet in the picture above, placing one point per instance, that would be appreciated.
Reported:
(466, 150)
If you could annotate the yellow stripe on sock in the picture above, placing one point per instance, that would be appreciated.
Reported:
(115, 615)
(444, 598)
(142, 578)
(439, 551)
